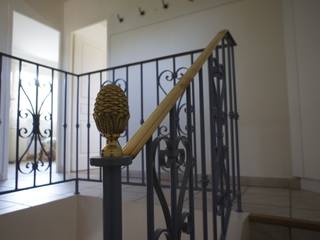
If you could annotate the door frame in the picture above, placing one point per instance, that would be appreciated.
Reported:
(5, 99)
(71, 63)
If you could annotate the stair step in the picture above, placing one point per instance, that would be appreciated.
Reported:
(285, 221)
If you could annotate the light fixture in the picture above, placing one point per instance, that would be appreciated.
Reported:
(120, 19)
(165, 5)
(141, 11)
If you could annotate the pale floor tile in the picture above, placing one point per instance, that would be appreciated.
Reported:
(274, 201)
(267, 191)
(244, 189)
(299, 234)
(93, 192)
(84, 185)
(268, 232)
(15, 207)
(312, 215)
(133, 188)
(266, 209)
(305, 200)
(132, 196)
(269, 200)
(273, 197)
(32, 197)
(6, 204)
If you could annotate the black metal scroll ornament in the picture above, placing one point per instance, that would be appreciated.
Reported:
(35, 135)
(177, 153)
(174, 76)
(220, 116)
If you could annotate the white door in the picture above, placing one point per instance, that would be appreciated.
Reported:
(90, 54)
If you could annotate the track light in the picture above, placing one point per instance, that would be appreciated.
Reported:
(120, 19)
(141, 11)
(165, 5)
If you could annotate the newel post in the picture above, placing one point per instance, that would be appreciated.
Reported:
(112, 200)
(111, 114)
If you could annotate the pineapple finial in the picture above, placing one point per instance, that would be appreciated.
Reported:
(111, 114)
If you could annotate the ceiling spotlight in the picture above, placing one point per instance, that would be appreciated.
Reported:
(165, 5)
(141, 11)
(120, 19)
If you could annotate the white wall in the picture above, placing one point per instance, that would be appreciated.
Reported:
(264, 133)
(49, 13)
(264, 62)
(81, 13)
(35, 41)
(5, 46)
(303, 64)
(260, 62)
(308, 54)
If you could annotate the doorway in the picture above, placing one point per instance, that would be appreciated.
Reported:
(33, 93)
(89, 54)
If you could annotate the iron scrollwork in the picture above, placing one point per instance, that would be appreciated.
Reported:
(122, 83)
(220, 116)
(168, 76)
(34, 115)
(174, 153)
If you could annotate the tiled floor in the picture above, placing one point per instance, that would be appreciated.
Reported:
(274, 201)
(282, 202)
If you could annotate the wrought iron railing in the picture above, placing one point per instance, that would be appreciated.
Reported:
(194, 148)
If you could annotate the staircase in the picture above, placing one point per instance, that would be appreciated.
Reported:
(187, 141)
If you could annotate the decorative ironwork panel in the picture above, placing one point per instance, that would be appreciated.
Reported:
(34, 121)
(175, 156)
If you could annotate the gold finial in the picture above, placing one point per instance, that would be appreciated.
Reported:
(111, 114)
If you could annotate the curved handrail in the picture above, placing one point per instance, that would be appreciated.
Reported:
(143, 134)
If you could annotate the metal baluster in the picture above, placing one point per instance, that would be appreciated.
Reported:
(100, 136)
(236, 128)
(220, 145)
(226, 128)
(194, 130)
(127, 130)
(37, 118)
(142, 121)
(150, 196)
(51, 127)
(65, 125)
(88, 128)
(158, 101)
(1, 60)
(18, 126)
(174, 71)
(213, 135)
(77, 136)
(193, 162)
(204, 177)
(173, 172)
(231, 115)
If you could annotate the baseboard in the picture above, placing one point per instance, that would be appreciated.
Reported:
(312, 185)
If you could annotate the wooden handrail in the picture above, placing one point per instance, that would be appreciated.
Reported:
(140, 138)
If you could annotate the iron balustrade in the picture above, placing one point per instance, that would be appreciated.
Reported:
(196, 148)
